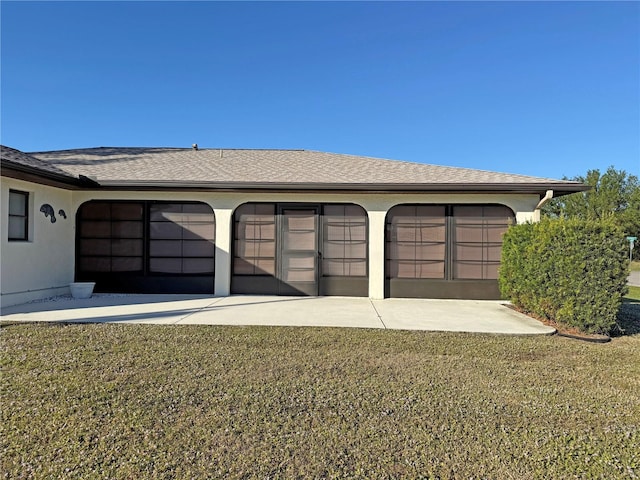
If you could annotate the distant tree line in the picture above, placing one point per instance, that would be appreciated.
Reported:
(614, 195)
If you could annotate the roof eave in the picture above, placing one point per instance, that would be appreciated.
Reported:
(36, 175)
(559, 189)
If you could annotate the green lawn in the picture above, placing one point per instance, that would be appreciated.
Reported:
(629, 313)
(143, 401)
(635, 266)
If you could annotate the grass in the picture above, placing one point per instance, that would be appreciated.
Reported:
(634, 293)
(145, 401)
(635, 266)
(628, 321)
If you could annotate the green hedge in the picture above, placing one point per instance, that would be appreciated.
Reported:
(568, 270)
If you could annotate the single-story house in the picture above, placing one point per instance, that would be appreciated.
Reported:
(278, 222)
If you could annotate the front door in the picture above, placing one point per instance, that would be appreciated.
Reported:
(299, 250)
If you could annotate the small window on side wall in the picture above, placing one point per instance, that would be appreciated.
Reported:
(18, 216)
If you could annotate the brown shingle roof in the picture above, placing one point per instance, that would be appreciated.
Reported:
(13, 157)
(237, 168)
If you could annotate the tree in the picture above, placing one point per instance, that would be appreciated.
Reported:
(614, 194)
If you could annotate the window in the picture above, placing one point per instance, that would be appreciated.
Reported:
(18, 216)
(120, 236)
(111, 237)
(181, 238)
(416, 241)
(477, 244)
(345, 241)
(255, 239)
(446, 242)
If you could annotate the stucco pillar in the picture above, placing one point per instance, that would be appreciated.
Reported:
(376, 253)
(524, 217)
(222, 286)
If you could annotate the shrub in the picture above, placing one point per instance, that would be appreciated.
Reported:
(571, 271)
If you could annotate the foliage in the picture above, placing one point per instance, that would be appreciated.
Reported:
(568, 270)
(613, 195)
(162, 402)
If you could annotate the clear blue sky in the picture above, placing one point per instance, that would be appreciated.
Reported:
(541, 88)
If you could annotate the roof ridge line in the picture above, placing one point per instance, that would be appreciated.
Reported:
(174, 148)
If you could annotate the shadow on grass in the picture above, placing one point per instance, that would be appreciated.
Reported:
(628, 318)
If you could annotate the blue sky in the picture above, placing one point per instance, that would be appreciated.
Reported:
(541, 88)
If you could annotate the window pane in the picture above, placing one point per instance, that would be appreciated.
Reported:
(478, 235)
(242, 267)
(196, 231)
(165, 248)
(185, 232)
(95, 211)
(166, 230)
(254, 240)
(333, 267)
(95, 264)
(430, 270)
(356, 268)
(198, 248)
(344, 247)
(126, 229)
(127, 211)
(416, 238)
(95, 229)
(18, 203)
(197, 265)
(95, 247)
(299, 240)
(165, 265)
(17, 228)
(126, 248)
(126, 264)
(491, 270)
(299, 269)
(18, 215)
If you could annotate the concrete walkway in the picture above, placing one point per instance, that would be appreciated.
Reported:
(391, 313)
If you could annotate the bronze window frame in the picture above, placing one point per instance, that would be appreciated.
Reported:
(23, 218)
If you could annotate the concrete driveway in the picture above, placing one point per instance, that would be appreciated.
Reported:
(391, 313)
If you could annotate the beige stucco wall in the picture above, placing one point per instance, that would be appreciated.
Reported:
(42, 266)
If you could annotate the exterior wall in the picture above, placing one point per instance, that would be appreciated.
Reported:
(43, 265)
(376, 205)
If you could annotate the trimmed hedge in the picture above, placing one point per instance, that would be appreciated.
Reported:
(571, 271)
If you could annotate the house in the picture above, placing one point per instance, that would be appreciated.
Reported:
(233, 221)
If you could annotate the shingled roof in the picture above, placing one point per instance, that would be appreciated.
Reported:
(280, 169)
(20, 165)
(11, 156)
